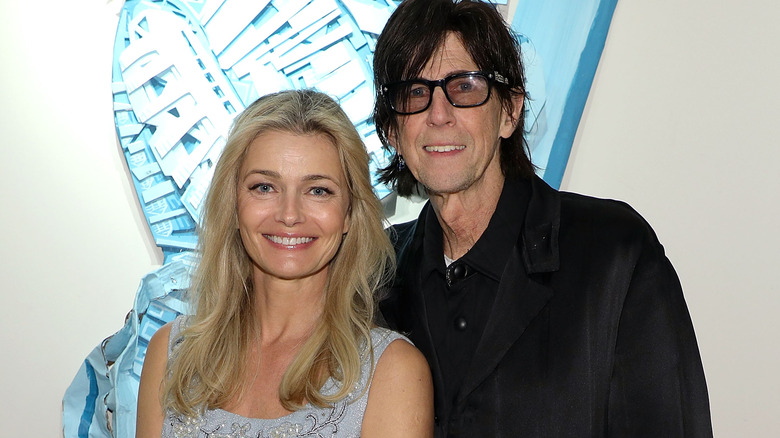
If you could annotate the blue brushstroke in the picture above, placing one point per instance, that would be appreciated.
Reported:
(578, 94)
(562, 43)
(89, 403)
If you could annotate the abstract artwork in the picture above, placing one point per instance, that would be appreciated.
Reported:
(182, 70)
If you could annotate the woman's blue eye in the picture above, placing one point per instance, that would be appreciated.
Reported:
(320, 191)
(263, 188)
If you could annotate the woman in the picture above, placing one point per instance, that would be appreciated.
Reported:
(281, 341)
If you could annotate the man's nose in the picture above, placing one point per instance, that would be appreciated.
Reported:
(441, 110)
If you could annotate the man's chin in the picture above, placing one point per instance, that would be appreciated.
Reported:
(445, 189)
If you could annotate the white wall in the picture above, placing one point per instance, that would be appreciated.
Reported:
(681, 123)
(74, 245)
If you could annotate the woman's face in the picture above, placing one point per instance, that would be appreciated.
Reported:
(293, 204)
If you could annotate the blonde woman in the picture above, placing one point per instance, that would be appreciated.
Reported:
(281, 341)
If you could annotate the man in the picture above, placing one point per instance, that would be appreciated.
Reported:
(541, 313)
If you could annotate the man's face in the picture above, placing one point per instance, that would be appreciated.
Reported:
(451, 150)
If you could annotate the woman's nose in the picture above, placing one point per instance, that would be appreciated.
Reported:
(290, 210)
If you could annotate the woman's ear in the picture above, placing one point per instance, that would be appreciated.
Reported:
(347, 220)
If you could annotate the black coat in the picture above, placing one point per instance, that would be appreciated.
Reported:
(589, 335)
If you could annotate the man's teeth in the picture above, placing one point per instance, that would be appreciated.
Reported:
(444, 148)
(289, 241)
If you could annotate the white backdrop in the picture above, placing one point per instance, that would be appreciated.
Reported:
(681, 123)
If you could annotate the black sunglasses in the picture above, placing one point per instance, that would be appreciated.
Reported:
(463, 90)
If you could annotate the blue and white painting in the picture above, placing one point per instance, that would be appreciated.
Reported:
(182, 70)
(562, 41)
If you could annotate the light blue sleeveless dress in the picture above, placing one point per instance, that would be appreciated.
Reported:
(344, 419)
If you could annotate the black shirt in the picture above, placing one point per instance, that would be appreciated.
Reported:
(459, 299)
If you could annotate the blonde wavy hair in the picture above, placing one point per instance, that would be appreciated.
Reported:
(208, 368)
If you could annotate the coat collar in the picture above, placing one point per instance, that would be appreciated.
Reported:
(539, 239)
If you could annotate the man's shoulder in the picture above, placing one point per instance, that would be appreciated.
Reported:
(590, 205)
(550, 204)
(401, 234)
(402, 228)
(602, 216)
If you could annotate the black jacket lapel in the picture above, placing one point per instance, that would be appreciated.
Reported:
(519, 299)
(518, 302)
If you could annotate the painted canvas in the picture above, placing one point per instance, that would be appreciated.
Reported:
(183, 69)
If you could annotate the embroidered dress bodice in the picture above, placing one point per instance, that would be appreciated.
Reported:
(344, 419)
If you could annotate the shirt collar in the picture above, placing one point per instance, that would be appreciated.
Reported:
(489, 254)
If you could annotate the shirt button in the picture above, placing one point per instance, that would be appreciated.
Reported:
(459, 271)
(460, 324)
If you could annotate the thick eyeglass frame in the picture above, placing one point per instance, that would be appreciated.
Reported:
(491, 77)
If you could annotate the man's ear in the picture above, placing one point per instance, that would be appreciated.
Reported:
(392, 138)
(509, 121)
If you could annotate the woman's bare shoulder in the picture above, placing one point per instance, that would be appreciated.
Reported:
(150, 412)
(400, 402)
